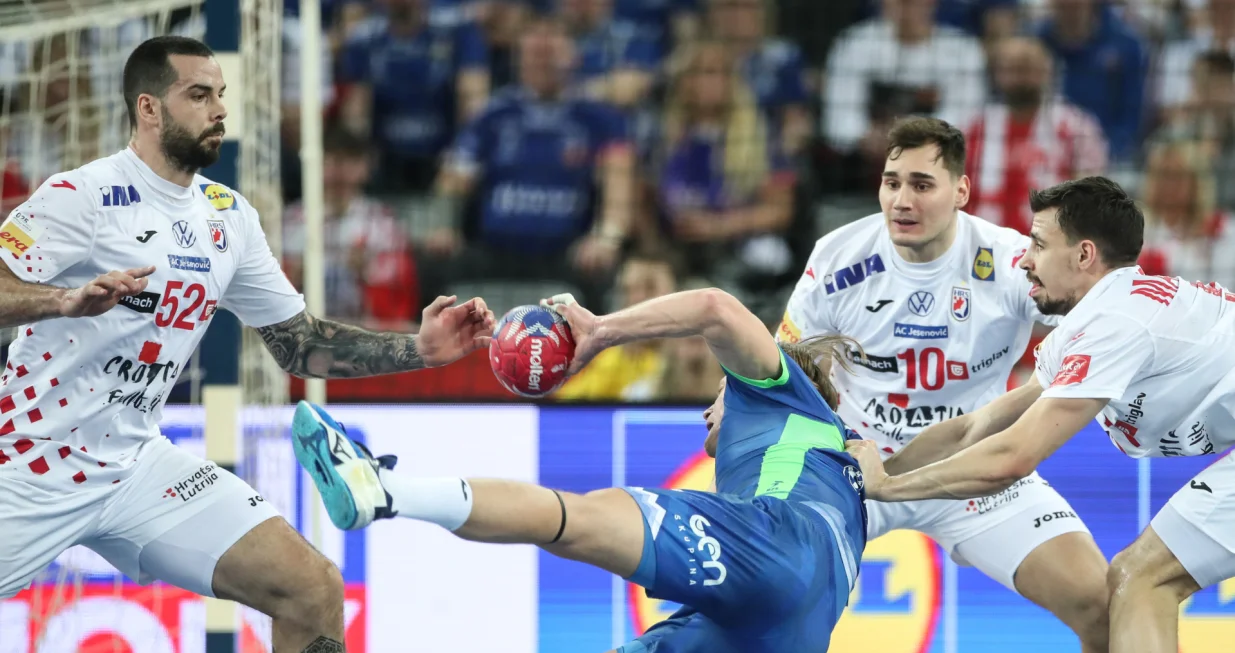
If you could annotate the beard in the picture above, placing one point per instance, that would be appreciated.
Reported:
(188, 152)
(1049, 306)
(1023, 97)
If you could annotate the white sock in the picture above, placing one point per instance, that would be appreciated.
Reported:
(446, 502)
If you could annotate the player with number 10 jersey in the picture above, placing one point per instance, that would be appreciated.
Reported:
(942, 313)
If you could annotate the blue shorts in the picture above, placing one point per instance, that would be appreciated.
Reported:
(761, 574)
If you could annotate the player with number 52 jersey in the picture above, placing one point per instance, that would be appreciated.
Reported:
(934, 297)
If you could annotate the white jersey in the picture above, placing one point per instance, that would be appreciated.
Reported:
(80, 397)
(940, 338)
(1161, 350)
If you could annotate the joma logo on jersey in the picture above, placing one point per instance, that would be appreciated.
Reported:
(853, 275)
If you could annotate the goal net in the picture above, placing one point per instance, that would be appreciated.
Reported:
(61, 106)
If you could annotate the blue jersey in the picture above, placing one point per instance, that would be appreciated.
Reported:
(612, 47)
(538, 164)
(779, 438)
(767, 563)
(774, 73)
(413, 81)
(653, 18)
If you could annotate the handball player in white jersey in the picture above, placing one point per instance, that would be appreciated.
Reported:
(114, 271)
(1153, 358)
(934, 297)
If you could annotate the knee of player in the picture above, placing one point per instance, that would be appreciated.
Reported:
(314, 595)
(1133, 569)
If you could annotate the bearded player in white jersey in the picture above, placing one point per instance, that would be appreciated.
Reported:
(1152, 357)
(114, 271)
(933, 295)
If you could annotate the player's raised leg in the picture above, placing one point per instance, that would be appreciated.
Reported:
(604, 528)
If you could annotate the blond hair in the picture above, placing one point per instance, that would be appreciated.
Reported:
(1198, 160)
(815, 356)
(746, 132)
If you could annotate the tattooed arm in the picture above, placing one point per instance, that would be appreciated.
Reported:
(311, 347)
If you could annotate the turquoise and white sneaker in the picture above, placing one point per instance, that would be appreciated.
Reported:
(343, 470)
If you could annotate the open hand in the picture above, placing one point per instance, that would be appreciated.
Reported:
(104, 292)
(583, 327)
(449, 332)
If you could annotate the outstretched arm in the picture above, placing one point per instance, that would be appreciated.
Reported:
(311, 347)
(990, 466)
(739, 340)
(949, 437)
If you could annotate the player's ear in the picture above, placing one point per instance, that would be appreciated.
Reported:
(962, 192)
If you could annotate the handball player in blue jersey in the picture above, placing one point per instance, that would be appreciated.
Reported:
(766, 563)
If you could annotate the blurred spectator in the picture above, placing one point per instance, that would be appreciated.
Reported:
(1209, 118)
(1029, 140)
(989, 20)
(14, 189)
(897, 65)
(723, 190)
(814, 26)
(369, 268)
(534, 159)
(632, 371)
(1186, 235)
(667, 23)
(692, 374)
(409, 82)
(772, 68)
(1104, 64)
(1179, 59)
(615, 63)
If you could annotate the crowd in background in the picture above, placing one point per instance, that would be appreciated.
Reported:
(622, 149)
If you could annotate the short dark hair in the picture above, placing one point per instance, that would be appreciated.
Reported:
(919, 131)
(345, 142)
(1097, 209)
(1218, 62)
(149, 69)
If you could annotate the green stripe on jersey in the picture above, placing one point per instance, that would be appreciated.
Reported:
(765, 383)
(783, 461)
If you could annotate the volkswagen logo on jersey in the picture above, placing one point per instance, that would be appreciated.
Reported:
(921, 303)
(183, 234)
(218, 235)
(961, 299)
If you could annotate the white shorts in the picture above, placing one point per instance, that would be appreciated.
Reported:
(994, 534)
(171, 520)
(1198, 524)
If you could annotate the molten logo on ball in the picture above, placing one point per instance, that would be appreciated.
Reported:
(531, 350)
